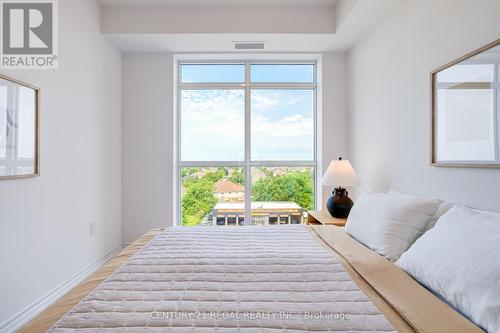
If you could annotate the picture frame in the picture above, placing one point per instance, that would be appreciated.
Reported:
(19, 129)
(465, 110)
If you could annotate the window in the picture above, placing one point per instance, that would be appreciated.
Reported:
(247, 141)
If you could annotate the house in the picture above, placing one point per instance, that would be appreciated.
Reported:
(263, 213)
(227, 191)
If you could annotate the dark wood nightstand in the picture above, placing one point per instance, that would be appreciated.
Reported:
(323, 217)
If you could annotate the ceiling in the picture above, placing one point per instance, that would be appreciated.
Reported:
(354, 19)
(214, 3)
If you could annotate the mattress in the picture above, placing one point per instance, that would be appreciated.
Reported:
(407, 305)
(241, 279)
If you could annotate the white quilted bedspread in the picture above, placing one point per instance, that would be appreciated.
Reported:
(228, 279)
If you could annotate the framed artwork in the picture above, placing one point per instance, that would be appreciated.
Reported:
(465, 110)
(19, 129)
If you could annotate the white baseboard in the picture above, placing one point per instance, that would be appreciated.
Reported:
(24, 316)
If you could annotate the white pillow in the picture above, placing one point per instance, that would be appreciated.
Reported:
(459, 259)
(443, 208)
(389, 223)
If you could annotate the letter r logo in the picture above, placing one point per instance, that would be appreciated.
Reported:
(27, 27)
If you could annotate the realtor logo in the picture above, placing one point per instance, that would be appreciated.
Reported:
(29, 34)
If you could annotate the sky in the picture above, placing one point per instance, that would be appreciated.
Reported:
(282, 121)
(236, 73)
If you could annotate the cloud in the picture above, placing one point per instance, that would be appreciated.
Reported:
(288, 127)
(282, 113)
(214, 112)
(213, 124)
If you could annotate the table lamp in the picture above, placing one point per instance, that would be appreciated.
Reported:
(340, 174)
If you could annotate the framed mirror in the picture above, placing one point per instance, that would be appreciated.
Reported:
(465, 110)
(19, 129)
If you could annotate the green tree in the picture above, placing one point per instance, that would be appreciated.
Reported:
(198, 201)
(215, 176)
(189, 171)
(238, 177)
(293, 186)
(266, 171)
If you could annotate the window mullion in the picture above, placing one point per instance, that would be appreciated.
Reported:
(283, 163)
(287, 86)
(248, 146)
(211, 86)
(215, 164)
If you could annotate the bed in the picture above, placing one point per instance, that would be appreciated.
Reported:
(292, 278)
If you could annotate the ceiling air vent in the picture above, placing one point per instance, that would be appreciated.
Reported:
(248, 45)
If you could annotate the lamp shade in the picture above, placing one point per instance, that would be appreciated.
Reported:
(340, 174)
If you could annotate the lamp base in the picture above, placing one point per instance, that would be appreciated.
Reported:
(339, 204)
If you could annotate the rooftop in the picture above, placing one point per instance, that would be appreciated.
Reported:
(226, 186)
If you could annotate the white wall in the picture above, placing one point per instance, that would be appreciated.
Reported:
(44, 221)
(334, 111)
(389, 98)
(148, 135)
(232, 19)
(147, 146)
